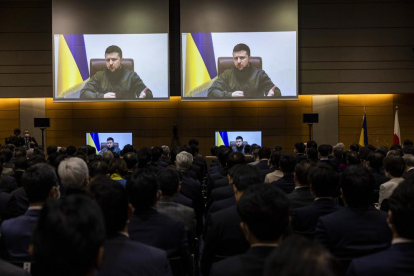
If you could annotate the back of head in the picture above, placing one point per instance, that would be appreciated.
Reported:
(407, 143)
(68, 236)
(357, 185)
(168, 180)
(265, 210)
(395, 166)
(275, 159)
(376, 160)
(371, 147)
(245, 176)
(118, 166)
(222, 156)
(184, 160)
(36, 159)
(287, 163)
(214, 150)
(8, 154)
(73, 173)
(51, 149)
(300, 147)
(323, 150)
(311, 144)
(352, 158)
(91, 150)
(97, 168)
(193, 142)
(264, 153)
(395, 152)
(70, 151)
(354, 147)
(312, 154)
(20, 151)
(112, 198)
(314, 260)
(38, 181)
(235, 158)
(194, 149)
(81, 155)
(408, 158)
(406, 150)
(20, 163)
(302, 171)
(324, 180)
(127, 148)
(165, 150)
(131, 160)
(155, 154)
(383, 150)
(142, 189)
(402, 209)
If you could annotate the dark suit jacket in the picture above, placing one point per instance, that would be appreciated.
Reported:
(17, 234)
(380, 178)
(250, 263)
(125, 257)
(191, 189)
(222, 193)
(7, 269)
(215, 207)
(354, 232)
(161, 163)
(300, 197)
(262, 165)
(286, 183)
(330, 162)
(181, 199)
(7, 183)
(166, 160)
(177, 211)
(265, 172)
(407, 175)
(9, 207)
(30, 139)
(304, 219)
(224, 237)
(396, 260)
(222, 182)
(299, 157)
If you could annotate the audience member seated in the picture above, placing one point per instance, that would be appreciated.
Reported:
(352, 159)
(149, 226)
(198, 161)
(357, 229)
(264, 214)
(323, 184)
(409, 166)
(97, 168)
(255, 154)
(301, 195)
(117, 171)
(287, 164)
(324, 151)
(394, 168)
(9, 207)
(74, 175)
(40, 184)
(165, 156)
(264, 155)
(298, 256)
(169, 182)
(8, 162)
(122, 256)
(7, 183)
(221, 170)
(277, 173)
(224, 236)
(20, 165)
(68, 238)
(375, 166)
(299, 151)
(233, 159)
(312, 155)
(398, 259)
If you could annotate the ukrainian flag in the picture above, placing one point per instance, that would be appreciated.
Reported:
(200, 63)
(93, 140)
(363, 138)
(222, 138)
(73, 70)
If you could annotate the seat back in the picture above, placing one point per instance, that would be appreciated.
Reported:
(99, 64)
(225, 63)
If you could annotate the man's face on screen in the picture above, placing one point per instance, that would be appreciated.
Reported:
(110, 143)
(113, 61)
(241, 59)
(239, 142)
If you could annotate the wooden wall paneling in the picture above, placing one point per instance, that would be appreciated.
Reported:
(9, 117)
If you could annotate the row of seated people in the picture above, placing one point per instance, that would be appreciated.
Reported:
(74, 176)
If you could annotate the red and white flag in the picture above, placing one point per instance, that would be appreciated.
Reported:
(397, 136)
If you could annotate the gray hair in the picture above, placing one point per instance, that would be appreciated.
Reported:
(165, 150)
(184, 160)
(409, 160)
(340, 146)
(73, 173)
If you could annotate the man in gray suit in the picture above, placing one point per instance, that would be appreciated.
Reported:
(169, 183)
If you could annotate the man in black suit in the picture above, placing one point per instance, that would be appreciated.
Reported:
(123, 256)
(264, 155)
(264, 214)
(358, 229)
(149, 226)
(299, 152)
(376, 167)
(324, 152)
(409, 163)
(287, 164)
(7, 183)
(398, 259)
(323, 184)
(40, 184)
(224, 236)
(222, 171)
(301, 195)
(29, 141)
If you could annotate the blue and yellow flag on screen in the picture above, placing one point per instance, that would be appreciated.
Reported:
(222, 138)
(363, 138)
(93, 140)
(200, 63)
(72, 64)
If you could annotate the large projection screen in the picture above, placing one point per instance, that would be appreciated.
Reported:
(210, 69)
(86, 66)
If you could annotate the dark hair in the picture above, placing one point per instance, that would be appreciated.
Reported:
(383, 150)
(363, 153)
(242, 47)
(235, 158)
(313, 258)
(222, 156)
(247, 175)
(323, 150)
(287, 163)
(194, 149)
(110, 139)
(277, 148)
(20, 151)
(98, 167)
(38, 152)
(275, 158)
(395, 153)
(82, 155)
(213, 150)
(324, 180)
(113, 200)
(371, 147)
(83, 149)
(357, 184)
(8, 154)
(300, 147)
(354, 147)
(312, 154)
(302, 171)
(168, 179)
(265, 210)
(394, 165)
(402, 209)
(51, 149)
(35, 160)
(68, 236)
(408, 143)
(114, 49)
(311, 144)
(193, 142)
(376, 160)
(70, 151)
(38, 181)
(406, 150)
(118, 165)
(17, 131)
(20, 163)
(155, 154)
(127, 148)
(395, 147)
(142, 189)
(131, 160)
(264, 152)
(352, 158)
(91, 150)
(239, 138)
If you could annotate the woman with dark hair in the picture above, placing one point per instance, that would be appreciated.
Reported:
(118, 170)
